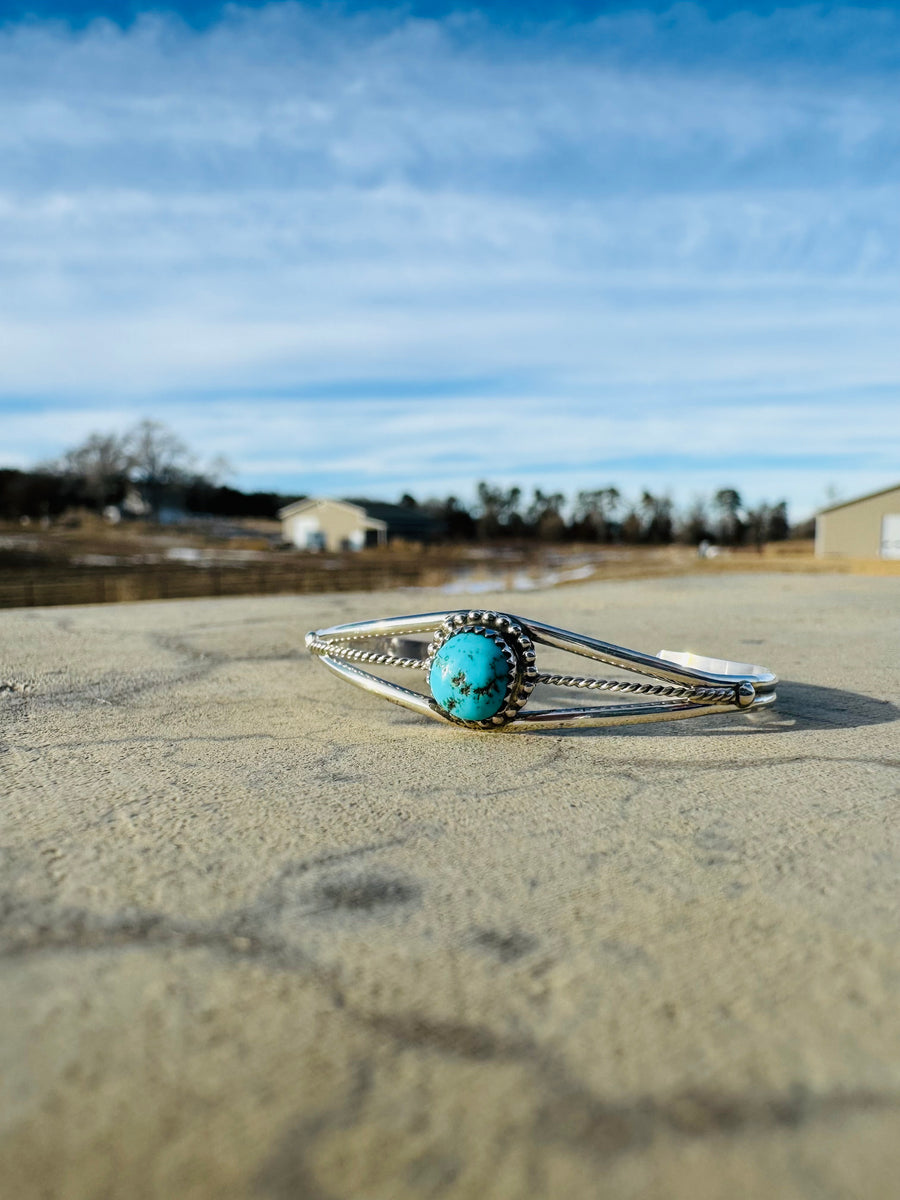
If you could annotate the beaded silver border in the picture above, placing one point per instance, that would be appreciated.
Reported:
(518, 648)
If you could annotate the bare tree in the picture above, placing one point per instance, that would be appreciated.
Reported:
(656, 513)
(694, 525)
(158, 460)
(219, 469)
(595, 510)
(499, 514)
(544, 515)
(101, 462)
(727, 503)
(779, 527)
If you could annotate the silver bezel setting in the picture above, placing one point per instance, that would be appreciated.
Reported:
(518, 649)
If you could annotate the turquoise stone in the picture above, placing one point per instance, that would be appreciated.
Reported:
(469, 675)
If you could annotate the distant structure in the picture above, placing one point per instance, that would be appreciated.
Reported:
(134, 505)
(868, 527)
(317, 523)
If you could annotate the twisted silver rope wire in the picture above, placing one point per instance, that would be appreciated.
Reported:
(352, 654)
(672, 690)
(623, 687)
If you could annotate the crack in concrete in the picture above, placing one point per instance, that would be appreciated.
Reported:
(29, 927)
(568, 1113)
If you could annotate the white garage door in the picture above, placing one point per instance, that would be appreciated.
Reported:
(890, 535)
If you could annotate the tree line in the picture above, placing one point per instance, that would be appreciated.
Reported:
(153, 466)
(605, 515)
(147, 467)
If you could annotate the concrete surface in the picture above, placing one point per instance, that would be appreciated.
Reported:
(264, 935)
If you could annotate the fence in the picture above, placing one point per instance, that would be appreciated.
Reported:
(101, 585)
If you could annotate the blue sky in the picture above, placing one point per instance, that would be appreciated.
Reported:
(369, 250)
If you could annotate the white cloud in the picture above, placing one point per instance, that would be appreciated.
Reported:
(643, 237)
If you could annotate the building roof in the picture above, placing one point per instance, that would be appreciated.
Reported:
(858, 499)
(398, 519)
(298, 506)
(402, 521)
(366, 520)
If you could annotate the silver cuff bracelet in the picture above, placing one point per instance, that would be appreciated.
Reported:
(482, 668)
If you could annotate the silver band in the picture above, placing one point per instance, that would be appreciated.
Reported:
(685, 684)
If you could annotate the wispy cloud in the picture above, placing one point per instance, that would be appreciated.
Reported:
(350, 248)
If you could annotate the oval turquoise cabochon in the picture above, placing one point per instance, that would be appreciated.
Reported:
(469, 676)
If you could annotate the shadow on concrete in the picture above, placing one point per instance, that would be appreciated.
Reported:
(813, 707)
(800, 706)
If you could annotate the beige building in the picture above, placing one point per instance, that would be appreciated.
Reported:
(313, 524)
(868, 527)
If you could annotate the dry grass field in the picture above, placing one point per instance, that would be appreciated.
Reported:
(89, 562)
